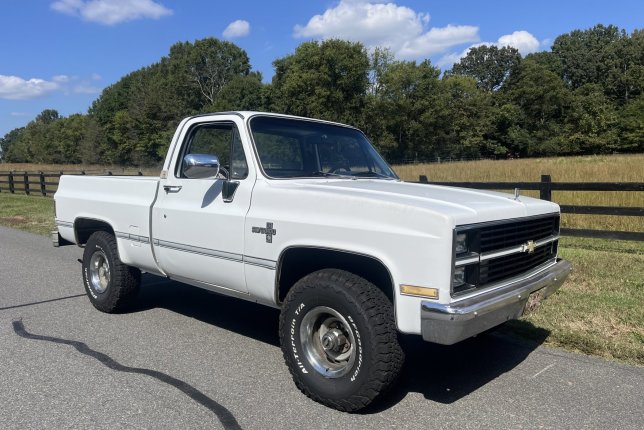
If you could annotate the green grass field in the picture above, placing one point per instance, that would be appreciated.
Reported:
(599, 310)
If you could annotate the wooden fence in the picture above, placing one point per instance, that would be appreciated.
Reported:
(546, 187)
(42, 183)
(45, 184)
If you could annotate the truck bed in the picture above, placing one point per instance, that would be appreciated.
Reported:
(123, 200)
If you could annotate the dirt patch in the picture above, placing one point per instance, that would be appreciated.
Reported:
(14, 220)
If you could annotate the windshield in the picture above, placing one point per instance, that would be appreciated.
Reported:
(291, 148)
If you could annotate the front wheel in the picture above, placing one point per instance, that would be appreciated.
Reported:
(339, 339)
(109, 284)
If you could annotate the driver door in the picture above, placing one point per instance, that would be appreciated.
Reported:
(199, 230)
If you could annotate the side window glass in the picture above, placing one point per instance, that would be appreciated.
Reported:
(223, 141)
(239, 167)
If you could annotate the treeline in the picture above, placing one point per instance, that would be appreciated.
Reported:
(584, 96)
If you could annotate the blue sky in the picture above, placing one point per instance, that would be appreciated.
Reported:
(60, 54)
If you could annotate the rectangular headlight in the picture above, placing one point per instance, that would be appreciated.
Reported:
(459, 277)
(461, 243)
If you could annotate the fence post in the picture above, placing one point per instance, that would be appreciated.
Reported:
(545, 189)
(25, 180)
(11, 189)
(43, 188)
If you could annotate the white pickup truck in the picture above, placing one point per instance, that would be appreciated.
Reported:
(305, 216)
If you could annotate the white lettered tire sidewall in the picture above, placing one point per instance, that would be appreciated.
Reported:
(340, 387)
(124, 281)
(370, 317)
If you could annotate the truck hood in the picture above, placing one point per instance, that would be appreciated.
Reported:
(462, 205)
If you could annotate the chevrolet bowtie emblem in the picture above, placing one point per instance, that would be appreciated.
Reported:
(528, 247)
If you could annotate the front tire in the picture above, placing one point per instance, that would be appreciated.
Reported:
(339, 339)
(110, 285)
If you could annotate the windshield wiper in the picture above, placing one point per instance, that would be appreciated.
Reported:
(371, 174)
(329, 174)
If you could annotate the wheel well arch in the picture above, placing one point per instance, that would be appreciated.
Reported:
(296, 262)
(84, 227)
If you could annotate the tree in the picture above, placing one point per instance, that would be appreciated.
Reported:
(591, 122)
(406, 92)
(210, 64)
(544, 100)
(7, 142)
(322, 79)
(584, 54)
(625, 77)
(241, 93)
(631, 126)
(461, 121)
(489, 65)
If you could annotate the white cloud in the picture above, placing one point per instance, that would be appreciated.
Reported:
(19, 113)
(239, 28)
(96, 77)
(399, 28)
(522, 40)
(61, 79)
(525, 42)
(16, 88)
(110, 12)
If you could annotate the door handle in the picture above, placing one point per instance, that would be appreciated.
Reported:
(172, 188)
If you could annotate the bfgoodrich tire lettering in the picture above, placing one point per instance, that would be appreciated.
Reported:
(109, 284)
(339, 339)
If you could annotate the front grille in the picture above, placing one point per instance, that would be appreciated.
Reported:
(488, 238)
(506, 235)
(509, 266)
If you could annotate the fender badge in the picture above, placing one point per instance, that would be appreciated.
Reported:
(269, 231)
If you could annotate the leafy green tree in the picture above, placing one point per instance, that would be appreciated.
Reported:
(489, 65)
(241, 93)
(584, 56)
(625, 77)
(209, 64)
(407, 91)
(591, 121)
(10, 139)
(461, 122)
(326, 80)
(631, 126)
(544, 100)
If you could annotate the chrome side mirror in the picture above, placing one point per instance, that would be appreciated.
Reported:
(200, 166)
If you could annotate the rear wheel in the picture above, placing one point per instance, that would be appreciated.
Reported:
(109, 284)
(339, 339)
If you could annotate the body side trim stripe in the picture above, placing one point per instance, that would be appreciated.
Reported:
(198, 250)
(132, 237)
(246, 259)
(64, 223)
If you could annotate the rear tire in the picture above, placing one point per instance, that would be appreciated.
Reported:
(110, 285)
(339, 339)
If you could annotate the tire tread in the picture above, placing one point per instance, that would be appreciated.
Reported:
(378, 310)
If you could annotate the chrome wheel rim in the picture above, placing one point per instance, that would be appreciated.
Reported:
(328, 342)
(99, 272)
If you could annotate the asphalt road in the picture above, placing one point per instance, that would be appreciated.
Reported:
(187, 358)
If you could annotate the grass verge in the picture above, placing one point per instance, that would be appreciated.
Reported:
(29, 213)
(600, 308)
(598, 311)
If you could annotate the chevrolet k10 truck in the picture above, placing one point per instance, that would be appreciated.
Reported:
(305, 216)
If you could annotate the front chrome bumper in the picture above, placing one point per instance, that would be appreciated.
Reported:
(450, 323)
